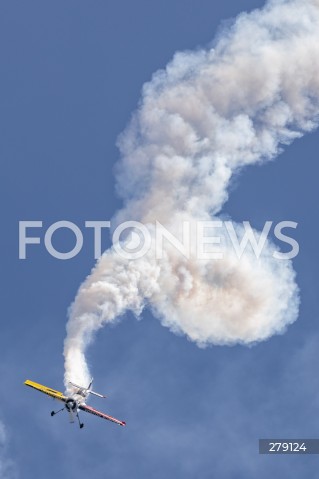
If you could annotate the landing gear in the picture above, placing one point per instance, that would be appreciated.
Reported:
(80, 423)
(71, 406)
(53, 413)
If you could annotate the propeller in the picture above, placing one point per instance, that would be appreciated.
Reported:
(71, 416)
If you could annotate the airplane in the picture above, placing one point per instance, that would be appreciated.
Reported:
(74, 402)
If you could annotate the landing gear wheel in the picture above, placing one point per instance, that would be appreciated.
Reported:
(81, 425)
(52, 413)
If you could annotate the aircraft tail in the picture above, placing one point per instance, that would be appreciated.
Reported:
(85, 391)
(97, 394)
(89, 390)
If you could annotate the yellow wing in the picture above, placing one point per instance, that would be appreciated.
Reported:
(44, 389)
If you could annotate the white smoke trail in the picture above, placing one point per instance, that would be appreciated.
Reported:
(208, 114)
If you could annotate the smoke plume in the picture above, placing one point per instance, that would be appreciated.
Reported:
(207, 115)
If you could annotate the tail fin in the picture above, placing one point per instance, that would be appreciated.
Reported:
(90, 385)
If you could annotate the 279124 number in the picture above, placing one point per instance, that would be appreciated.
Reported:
(287, 447)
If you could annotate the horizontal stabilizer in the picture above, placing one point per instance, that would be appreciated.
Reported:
(85, 391)
(97, 394)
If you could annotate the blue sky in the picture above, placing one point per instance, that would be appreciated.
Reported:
(71, 75)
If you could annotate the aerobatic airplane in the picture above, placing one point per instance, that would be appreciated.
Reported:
(74, 402)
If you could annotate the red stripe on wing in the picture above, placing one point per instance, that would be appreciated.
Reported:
(91, 410)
